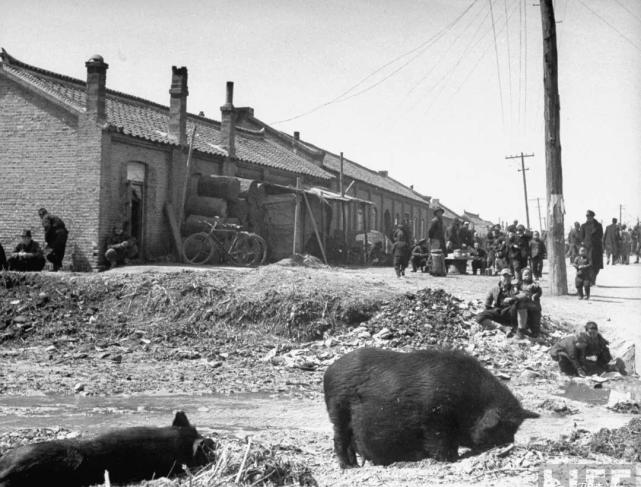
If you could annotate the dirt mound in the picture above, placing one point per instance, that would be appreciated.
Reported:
(302, 260)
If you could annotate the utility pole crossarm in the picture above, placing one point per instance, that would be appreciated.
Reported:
(523, 169)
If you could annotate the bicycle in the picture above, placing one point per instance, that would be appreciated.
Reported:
(232, 244)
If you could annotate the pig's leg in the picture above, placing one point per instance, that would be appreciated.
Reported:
(343, 436)
(440, 443)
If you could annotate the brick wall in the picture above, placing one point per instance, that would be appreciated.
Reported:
(42, 163)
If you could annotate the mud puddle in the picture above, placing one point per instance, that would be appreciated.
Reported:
(626, 389)
(239, 414)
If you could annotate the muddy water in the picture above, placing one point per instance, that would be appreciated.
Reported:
(238, 414)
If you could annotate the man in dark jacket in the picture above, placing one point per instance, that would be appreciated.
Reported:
(612, 242)
(27, 256)
(55, 236)
(436, 232)
(401, 256)
(591, 236)
(574, 241)
(479, 259)
(500, 303)
(120, 247)
(465, 235)
(537, 254)
(452, 236)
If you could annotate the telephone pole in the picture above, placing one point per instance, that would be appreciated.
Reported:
(523, 169)
(620, 214)
(553, 167)
(538, 206)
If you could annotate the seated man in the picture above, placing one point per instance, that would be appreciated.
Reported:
(419, 256)
(528, 308)
(500, 303)
(120, 247)
(27, 256)
(569, 352)
(479, 259)
(586, 353)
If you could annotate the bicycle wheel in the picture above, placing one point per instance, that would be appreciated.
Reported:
(198, 248)
(263, 246)
(247, 250)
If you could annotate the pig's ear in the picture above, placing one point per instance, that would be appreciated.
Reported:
(196, 446)
(180, 420)
(526, 414)
(486, 422)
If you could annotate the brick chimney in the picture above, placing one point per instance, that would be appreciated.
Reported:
(96, 87)
(295, 142)
(227, 120)
(178, 105)
(383, 173)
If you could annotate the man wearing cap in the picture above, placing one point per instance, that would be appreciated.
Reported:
(500, 303)
(55, 236)
(436, 232)
(479, 259)
(453, 241)
(419, 256)
(27, 256)
(591, 237)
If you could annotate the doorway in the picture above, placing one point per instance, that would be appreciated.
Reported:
(135, 215)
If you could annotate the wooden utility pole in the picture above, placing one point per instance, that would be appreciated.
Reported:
(553, 168)
(538, 206)
(523, 169)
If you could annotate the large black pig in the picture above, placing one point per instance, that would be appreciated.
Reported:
(390, 406)
(129, 455)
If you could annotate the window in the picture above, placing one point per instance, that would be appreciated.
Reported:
(373, 216)
(360, 218)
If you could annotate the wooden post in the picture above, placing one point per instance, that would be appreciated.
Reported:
(296, 218)
(553, 168)
(313, 220)
(365, 218)
(183, 196)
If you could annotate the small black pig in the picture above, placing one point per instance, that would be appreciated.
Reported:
(129, 455)
(390, 406)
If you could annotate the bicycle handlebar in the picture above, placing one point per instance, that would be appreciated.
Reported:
(223, 226)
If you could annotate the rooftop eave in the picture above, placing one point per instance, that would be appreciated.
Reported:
(59, 101)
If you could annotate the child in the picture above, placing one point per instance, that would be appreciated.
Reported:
(401, 253)
(583, 273)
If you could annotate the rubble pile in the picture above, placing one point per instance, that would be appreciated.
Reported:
(430, 318)
(623, 443)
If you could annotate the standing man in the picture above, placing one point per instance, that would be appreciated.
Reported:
(611, 240)
(636, 242)
(436, 232)
(453, 241)
(537, 254)
(55, 236)
(574, 242)
(591, 235)
(465, 235)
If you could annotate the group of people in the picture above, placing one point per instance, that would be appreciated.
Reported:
(515, 305)
(28, 255)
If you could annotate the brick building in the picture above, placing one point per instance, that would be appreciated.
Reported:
(97, 157)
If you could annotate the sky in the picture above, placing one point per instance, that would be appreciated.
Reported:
(416, 87)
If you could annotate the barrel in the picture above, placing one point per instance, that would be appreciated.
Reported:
(219, 187)
(201, 205)
(438, 263)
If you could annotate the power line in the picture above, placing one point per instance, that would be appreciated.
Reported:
(474, 67)
(498, 67)
(509, 58)
(421, 47)
(525, 90)
(628, 10)
(520, 61)
(453, 68)
(621, 34)
(449, 48)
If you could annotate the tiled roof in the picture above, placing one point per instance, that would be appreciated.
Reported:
(150, 121)
(351, 169)
(356, 171)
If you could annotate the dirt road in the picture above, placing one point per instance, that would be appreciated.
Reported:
(155, 367)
